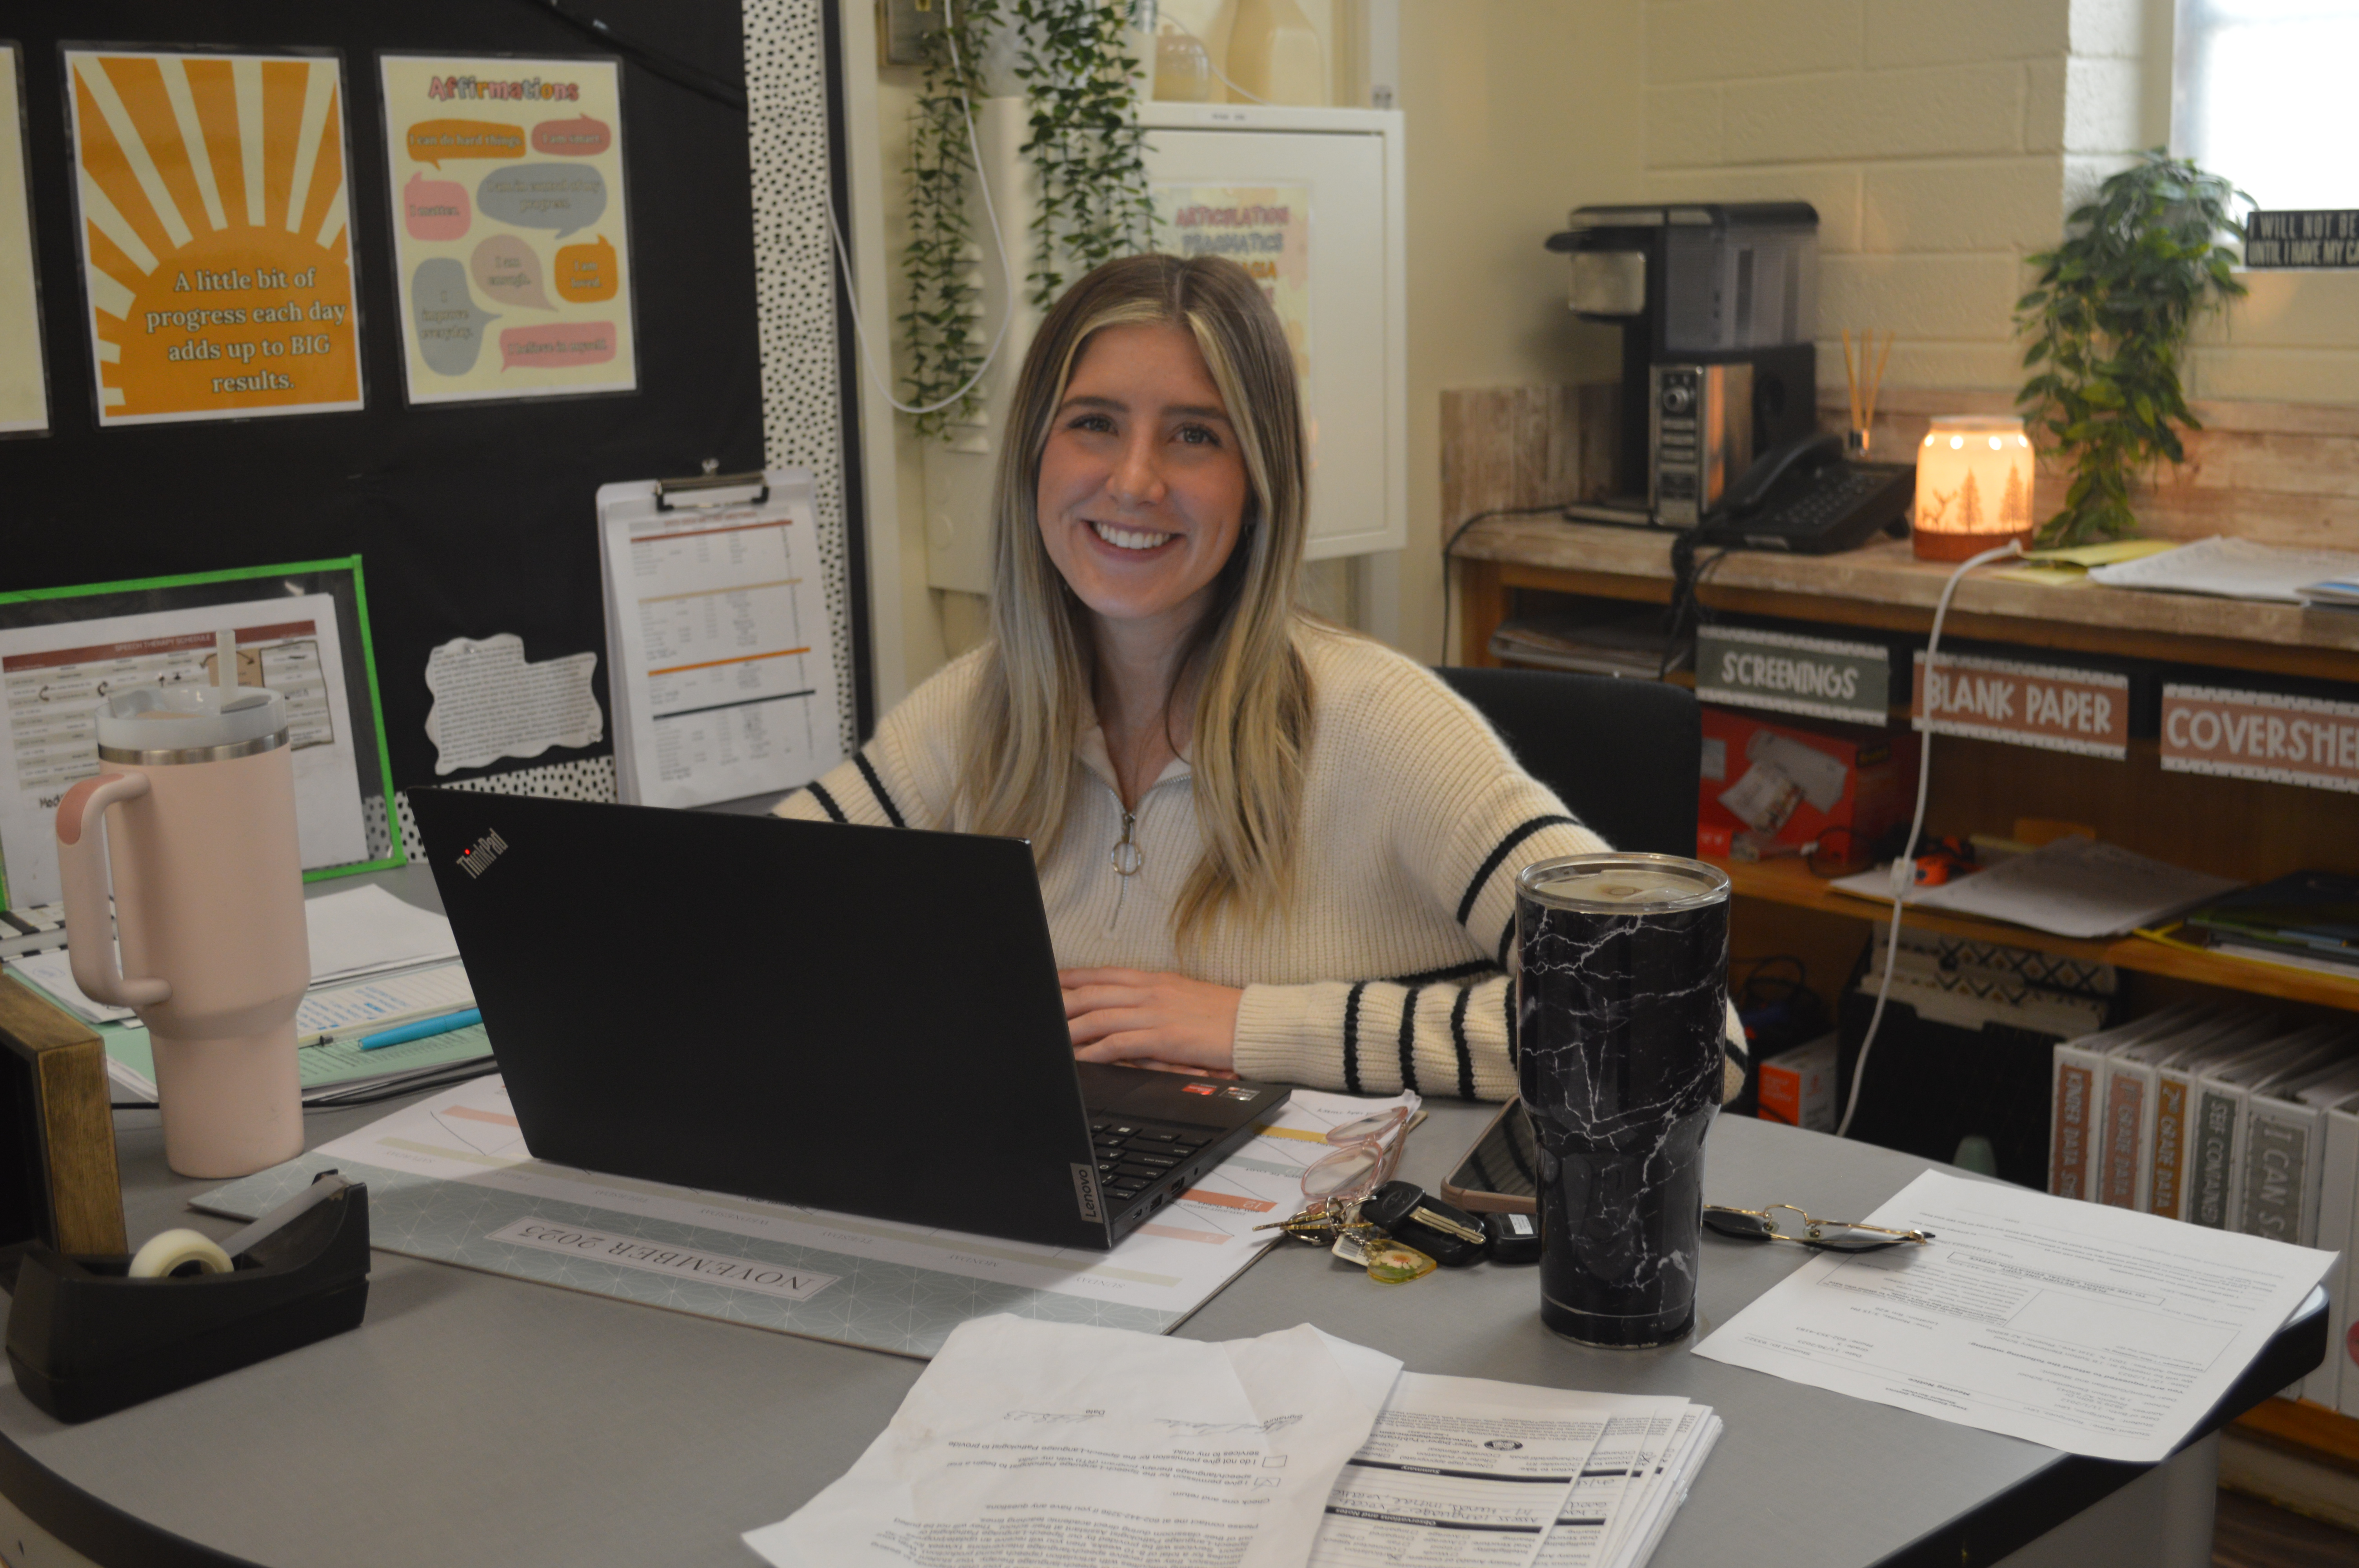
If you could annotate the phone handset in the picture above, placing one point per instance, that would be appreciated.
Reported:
(1805, 455)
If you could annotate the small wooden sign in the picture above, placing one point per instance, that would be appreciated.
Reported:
(58, 1179)
(2260, 735)
(2316, 238)
(1746, 668)
(2053, 706)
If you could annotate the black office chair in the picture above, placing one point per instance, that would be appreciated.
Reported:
(1623, 754)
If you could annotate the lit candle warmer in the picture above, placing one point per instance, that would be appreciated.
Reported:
(1973, 486)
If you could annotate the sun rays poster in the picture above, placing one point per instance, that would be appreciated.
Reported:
(509, 235)
(215, 252)
(24, 387)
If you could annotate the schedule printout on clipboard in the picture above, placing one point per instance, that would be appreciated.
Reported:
(722, 652)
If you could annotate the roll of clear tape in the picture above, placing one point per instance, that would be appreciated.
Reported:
(179, 1254)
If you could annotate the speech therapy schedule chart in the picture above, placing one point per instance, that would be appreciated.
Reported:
(722, 640)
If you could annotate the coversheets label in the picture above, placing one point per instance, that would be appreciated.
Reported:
(2055, 707)
(2260, 735)
(663, 1258)
(1850, 682)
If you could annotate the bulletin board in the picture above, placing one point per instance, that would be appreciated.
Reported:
(474, 515)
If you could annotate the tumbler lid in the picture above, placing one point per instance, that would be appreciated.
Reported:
(151, 725)
(1623, 883)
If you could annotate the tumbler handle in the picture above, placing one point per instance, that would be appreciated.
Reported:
(82, 869)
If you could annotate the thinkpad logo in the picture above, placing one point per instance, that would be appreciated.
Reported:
(478, 860)
(1085, 1188)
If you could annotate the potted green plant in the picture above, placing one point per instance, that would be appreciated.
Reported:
(1087, 152)
(2108, 322)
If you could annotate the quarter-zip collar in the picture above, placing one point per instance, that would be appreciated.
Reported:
(1089, 749)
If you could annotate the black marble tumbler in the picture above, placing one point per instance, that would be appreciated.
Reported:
(1621, 994)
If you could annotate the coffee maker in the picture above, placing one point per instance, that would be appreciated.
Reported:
(1718, 306)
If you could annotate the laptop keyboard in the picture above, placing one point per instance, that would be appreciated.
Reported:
(1135, 1155)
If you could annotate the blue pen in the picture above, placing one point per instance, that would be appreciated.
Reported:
(401, 1034)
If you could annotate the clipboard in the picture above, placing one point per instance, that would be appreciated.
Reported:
(720, 644)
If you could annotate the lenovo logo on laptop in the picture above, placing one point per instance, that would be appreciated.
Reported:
(1085, 1188)
(478, 860)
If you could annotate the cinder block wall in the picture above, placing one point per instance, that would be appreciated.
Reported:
(1942, 141)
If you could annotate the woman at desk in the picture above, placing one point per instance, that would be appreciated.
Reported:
(1267, 846)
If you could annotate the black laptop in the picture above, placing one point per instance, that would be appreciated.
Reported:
(860, 1019)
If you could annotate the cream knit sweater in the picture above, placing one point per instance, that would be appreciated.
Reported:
(1387, 971)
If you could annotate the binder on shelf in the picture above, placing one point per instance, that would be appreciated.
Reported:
(721, 646)
(2335, 1384)
(2076, 1097)
(2284, 1124)
(2217, 1197)
(2174, 1117)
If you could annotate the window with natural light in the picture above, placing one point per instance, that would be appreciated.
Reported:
(2264, 94)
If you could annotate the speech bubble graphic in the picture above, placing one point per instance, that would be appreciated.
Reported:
(505, 269)
(562, 196)
(583, 343)
(431, 141)
(584, 138)
(449, 328)
(435, 209)
(585, 272)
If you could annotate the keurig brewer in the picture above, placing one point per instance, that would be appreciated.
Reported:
(1717, 305)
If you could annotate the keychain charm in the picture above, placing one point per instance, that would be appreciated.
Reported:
(1390, 1264)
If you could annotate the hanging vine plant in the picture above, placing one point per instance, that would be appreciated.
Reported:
(2108, 323)
(1087, 152)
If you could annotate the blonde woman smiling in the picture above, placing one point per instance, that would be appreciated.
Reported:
(1267, 845)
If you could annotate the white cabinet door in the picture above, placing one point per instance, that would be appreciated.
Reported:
(1275, 199)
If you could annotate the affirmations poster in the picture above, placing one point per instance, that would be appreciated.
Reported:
(215, 252)
(24, 388)
(509, 230)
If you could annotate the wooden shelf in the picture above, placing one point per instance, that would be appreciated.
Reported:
(1883, 586)
(1789, 882)
(2309, 1429)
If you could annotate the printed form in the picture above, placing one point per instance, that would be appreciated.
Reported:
(2091, 1329)
(1027, 1443)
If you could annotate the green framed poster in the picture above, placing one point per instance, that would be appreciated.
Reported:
(301, 629)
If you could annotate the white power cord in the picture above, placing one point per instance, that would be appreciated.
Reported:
(998, 240)
(1904, 868)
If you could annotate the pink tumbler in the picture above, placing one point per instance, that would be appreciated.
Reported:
(208, 884)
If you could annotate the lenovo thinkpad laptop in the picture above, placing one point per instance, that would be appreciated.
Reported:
(860, 1019)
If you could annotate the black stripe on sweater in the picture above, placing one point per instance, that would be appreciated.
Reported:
(1351, 1039)
(1506, 846)
(1458, 1042)
(876, 789)
(1408, 1038)
(827, 802)
(1453, 972)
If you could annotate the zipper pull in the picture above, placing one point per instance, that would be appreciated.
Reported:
(1126, 860)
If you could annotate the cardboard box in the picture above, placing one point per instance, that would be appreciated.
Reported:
(1787, 782)
(1797, 1088)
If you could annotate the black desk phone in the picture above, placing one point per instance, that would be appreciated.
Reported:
(1806, 497)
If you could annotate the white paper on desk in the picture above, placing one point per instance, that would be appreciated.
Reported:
(1449, 1477)
(366, 931)
(2074, 887)
(2231, 568)
(1027, 1441)
(1699, 1433)
(2095, 1330)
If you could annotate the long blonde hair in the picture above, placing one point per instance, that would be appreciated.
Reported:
(1251, 726)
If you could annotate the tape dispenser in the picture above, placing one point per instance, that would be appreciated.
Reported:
(89, 1334)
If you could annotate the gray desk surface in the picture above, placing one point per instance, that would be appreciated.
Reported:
(479, 1419)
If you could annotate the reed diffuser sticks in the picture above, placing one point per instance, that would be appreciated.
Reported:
(1862, 380)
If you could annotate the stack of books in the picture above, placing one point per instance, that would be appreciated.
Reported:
(2228, 1116)
(2309, 919)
